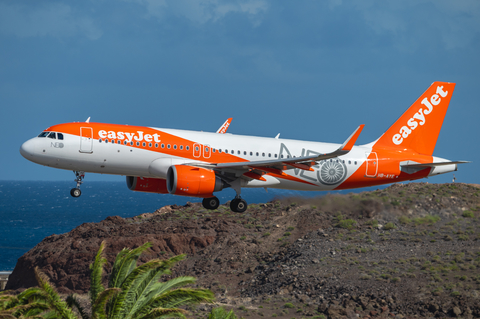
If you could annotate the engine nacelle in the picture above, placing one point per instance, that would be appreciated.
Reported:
(147, 185)
(193, 181)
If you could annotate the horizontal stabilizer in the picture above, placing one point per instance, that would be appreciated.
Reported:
(424, 165)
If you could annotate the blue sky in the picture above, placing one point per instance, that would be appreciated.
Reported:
(311, 70)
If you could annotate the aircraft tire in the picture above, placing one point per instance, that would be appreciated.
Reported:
(211, 203)
(75, 192)
(238, 205)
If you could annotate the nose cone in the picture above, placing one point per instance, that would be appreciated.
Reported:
(28, 149)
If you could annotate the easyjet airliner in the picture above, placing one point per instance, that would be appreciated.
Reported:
(198, 164)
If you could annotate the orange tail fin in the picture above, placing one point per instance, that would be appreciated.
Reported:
(418, 128)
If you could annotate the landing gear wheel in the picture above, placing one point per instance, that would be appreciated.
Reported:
(211, 203)
(238, 205)
(75, 192)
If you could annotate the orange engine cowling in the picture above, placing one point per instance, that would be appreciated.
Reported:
(147, 185)
(193, 181)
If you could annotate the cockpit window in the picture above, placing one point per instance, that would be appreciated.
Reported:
(43, 134)
(60, 136)
(52, 135)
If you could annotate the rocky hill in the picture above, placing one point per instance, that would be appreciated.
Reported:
(407, 250)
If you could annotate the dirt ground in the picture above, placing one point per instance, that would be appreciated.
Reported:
(407, 251)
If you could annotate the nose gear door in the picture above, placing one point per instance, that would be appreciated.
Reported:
(86, 140)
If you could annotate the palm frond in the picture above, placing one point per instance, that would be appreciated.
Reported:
(37, 307)
(183, 296)
(122, 303)
(98, 308)
(160, 288)
(4, 315)
(124, 263)
(72, 301)
(164, 313)
(145, 286)
(96, 268)
(221, 313)
(54, 299)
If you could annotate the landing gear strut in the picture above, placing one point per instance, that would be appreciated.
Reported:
(211, 203)
(238, 205)
(79, 176)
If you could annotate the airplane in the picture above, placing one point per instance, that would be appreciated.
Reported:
(198, 164)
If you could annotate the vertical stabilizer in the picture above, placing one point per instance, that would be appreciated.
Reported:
(418, 128)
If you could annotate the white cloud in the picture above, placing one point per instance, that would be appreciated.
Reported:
(203, 11)
(50, 19)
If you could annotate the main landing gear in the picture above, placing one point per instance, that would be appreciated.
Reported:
(211, 203)
(79, 176)
(237, 204)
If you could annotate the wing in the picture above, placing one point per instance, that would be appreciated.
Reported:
(223, 129)
(255, 169)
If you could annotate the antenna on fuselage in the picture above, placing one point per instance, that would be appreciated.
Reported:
(278, 135)
(88, 120)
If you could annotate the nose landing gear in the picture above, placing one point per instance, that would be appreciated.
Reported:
(79, 176)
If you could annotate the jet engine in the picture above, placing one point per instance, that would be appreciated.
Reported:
(193, 181)
(147, 185)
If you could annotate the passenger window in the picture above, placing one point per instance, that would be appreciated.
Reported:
(100, 140)
(149, 144)
(257, 153)
(143, 144)
(60, 136)
(355, 162)
(206, 149)
(168, 146)
(156, 145)
(163, 145)
(251, 153)
(119, 142)
(187, 148)
(263, 154)
(138, 143)
(106, 141)
(244, 152)
(181, 147)
(281, 156)
(52, 135)
(349, 162)
(269, 154)
(233, 152)
(125, 142)
(43, 134)
(238, 152)
(131, 143)
(220, 150)
(275, 155)
(175, 147)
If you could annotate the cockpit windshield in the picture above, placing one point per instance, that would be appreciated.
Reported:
(52, 135)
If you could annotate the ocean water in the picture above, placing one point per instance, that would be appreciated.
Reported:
(33, 210)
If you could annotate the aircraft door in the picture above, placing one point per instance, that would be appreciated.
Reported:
(197, 150)
(86, 140)
(372, 165)
(206, 151)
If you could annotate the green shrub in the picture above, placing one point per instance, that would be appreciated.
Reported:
(468, 213)
(288, 305)
(389, 226)
(347, 223)
(429, 219)
(404, 220)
